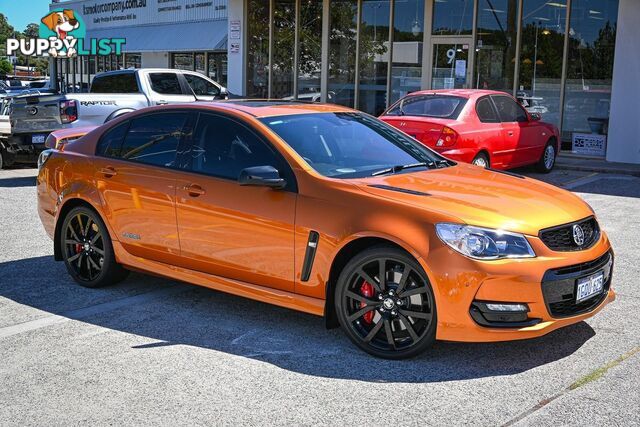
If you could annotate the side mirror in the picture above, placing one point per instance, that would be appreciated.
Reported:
(535, 117)
(224, 93)
(262, 176)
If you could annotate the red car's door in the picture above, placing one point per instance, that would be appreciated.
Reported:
(519, 136)
(490, 135)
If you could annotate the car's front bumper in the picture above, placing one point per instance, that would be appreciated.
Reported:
(546, 284)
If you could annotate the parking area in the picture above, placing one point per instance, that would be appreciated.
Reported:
(155, 351)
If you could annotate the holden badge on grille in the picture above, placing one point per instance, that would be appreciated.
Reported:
(578, 235)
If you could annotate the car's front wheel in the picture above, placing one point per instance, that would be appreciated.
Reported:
(87, 251)
(385, 303)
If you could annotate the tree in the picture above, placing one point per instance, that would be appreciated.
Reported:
(32, 31)
(5, 67)
(6, 32)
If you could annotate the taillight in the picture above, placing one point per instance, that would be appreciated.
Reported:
(448, 137)
(68, 111)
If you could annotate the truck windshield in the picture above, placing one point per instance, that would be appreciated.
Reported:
(352, 145)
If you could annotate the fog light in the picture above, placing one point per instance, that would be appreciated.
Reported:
(507, 307)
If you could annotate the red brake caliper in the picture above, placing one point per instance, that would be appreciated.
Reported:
(79, 248)
(366, 289)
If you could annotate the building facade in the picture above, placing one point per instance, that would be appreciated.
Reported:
(575, 62)
(572, 61)
(183, 34)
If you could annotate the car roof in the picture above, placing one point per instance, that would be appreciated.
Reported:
(465, 93)
(269, 108)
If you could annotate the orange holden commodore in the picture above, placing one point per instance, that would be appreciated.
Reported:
(329, 211)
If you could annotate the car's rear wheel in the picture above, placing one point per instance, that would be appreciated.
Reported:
(87, 251)
(482, 160)
(548, 159)
(385, 303)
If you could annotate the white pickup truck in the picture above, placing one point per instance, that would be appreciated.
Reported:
(34, 117)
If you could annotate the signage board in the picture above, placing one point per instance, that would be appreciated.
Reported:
(589, 144)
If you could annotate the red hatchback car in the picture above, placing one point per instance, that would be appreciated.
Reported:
(484, 127)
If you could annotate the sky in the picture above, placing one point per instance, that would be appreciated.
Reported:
(23, 12)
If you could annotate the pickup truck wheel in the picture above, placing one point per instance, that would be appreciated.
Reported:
(1, 159)
(87, 251)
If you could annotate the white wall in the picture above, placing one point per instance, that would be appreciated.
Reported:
(236, 66)
(155, 60)
(623, 143)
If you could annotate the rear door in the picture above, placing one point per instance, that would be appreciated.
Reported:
(521, 135)
(168, 88)
(135, 176)
(244, 233)
(490, 134)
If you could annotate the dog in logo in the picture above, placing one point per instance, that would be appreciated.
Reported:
(61, 23)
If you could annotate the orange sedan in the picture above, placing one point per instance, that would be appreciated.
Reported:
(329, 211)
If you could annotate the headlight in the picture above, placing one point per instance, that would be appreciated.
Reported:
(484, 243)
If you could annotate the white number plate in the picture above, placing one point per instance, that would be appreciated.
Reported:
(38, 138)
(590, 286)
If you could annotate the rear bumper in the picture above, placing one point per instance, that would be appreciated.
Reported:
(19, 147)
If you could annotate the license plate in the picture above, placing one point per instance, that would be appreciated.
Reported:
(38, 138)
(590, 286)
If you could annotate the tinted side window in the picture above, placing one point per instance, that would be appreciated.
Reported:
(223, 147)
(486, 112)
(117, 83)
(509, 110)
(165, 83)
(110, 143)
(201, 87)
(153, 139)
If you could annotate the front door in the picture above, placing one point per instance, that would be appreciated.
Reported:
(451, 63)
(240, 232)
(134, 176)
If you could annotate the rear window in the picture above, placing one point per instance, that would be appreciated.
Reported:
(439, 106)
(115, 83)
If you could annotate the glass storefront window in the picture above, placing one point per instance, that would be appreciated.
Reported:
(182, 61)
(449, 67)
(541, 52)
(257, 48)
(200, 63)
(342, 51)
(310, 50)
(452, 17)
(592, 36)
(408, 35)
(374, 56)
(496, 44)
(284, 25)
(218, 67)
(133, 60)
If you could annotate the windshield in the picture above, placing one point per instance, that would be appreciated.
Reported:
(437, 106)
(352, 145)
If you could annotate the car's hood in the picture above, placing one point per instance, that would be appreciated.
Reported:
(482, 197)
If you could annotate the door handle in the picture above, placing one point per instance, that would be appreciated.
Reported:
(510, 133)
(194, 190)
(162, 102)
(108, 171)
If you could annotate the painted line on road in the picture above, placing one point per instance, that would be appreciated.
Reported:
(596, 176)
(89, 311)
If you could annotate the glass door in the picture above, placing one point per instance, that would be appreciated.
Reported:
(451, 63)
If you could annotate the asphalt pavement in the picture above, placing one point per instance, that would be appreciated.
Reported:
(153, 351)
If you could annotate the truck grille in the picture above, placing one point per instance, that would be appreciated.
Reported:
(561, 239)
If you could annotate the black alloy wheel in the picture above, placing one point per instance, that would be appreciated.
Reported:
(87, 250)
(385, 304)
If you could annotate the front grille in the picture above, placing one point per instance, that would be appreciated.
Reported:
(559, 287)
(561, 238)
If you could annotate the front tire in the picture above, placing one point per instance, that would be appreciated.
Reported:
(87, 250)
(548, 159)
(385, 304)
